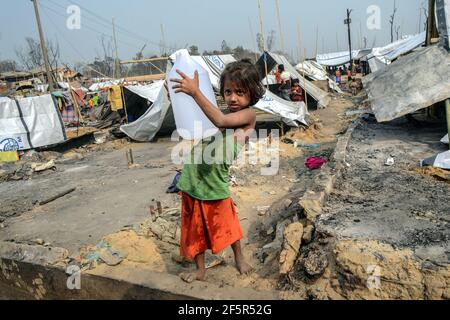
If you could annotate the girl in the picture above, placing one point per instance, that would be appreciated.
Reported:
(209, 218)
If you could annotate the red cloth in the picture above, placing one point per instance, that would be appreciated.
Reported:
(313, 163)
(207, 225)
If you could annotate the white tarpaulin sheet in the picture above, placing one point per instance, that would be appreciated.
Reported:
(445, 139)
(105, 84)
(290, 112)
(313, 70)
(149, 92)
(29, 123)
(336, 58)
(380, 57)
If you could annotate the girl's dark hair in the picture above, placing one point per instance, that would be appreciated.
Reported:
(244, 74)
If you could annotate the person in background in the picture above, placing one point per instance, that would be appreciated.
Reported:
(95, 99)
(286, 84)
(296, 91)
(338, 75)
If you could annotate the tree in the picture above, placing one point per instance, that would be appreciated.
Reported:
(7, 66)
(31, 56)
(271, 40)
(392, 20)
(260, 42)
(225, 48)
(193, 50)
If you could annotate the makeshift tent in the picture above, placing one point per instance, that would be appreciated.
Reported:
(380, 57)
(316, 72)
(290, 112)
(273, 60)
(340, 58)
(139, 98)
(158, 117)
(312, 70)
(29, 123)
(414, 82)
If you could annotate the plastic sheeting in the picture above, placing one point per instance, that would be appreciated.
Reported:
(442, 160)
(156, 117)
(322, 97)
(417, 81)
(445, 139)
(313, 70)
(149, 92)
(340, 58)
(29, 123)
(290, 112)
(380, 57)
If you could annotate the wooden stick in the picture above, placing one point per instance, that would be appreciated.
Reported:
(59, 195)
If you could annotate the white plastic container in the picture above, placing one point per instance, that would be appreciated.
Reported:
(191, 121)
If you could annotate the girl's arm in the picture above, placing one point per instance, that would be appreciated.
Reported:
(233, 120)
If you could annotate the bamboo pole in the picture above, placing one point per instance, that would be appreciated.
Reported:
(124, 103)
(261, 22)
(304, 82)
(280, 26)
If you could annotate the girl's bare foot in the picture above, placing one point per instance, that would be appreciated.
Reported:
(199, 275)
(243, 267)
(193, 276)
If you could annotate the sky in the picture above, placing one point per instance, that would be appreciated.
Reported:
(204, 23)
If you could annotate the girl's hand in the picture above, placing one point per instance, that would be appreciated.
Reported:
(187, 85)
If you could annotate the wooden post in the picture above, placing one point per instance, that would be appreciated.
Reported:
(124, 103)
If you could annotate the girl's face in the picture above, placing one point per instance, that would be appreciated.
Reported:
(236, 97)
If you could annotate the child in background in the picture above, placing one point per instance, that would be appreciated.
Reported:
(209, 217)
(296, 92)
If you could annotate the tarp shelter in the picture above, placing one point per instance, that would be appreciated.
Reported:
(139, 98)
(312, 70)
(29, 123)
(316, 72)
(414, 82)
(381, 57)
(273, 60)
(158, 117)
(341, 58)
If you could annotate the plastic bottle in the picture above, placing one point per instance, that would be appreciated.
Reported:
(191, 121)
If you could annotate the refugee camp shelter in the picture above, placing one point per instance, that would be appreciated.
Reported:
(319, 97)
(28, 123)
